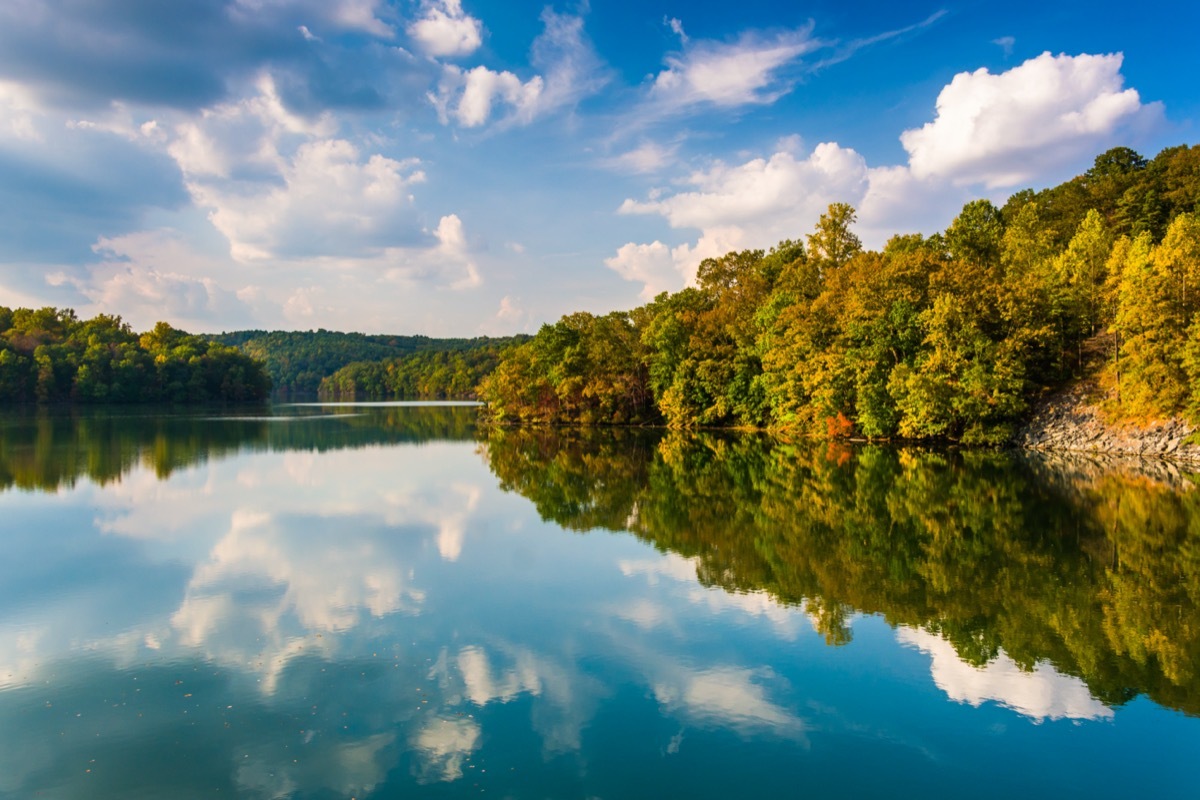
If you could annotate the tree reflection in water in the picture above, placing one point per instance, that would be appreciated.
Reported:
(1095, 573)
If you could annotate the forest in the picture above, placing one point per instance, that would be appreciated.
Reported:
(298, 361)
(951, 336)
(424, 375)
(50, 355)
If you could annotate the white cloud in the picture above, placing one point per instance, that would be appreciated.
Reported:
(279, 185)
(1043, 693)
(676, 27)
(19, 111)
(161, 286)
(1006, 43)
(754, 204)
(510, 316)
(361, 15)
(332, 202)
(899, 202)
(445, 30)
(652, 265)
(245, 138)
(568, 70)
(472, 93)
(1009, 128)
(762, 192)
(730, 74)
(510, 309)
(453, 253)
(646, 157)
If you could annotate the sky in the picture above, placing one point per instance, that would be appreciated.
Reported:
(481, 167)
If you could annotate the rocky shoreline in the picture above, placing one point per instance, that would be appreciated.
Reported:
(1070, 422)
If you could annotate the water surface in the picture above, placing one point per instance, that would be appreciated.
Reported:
(320, 602)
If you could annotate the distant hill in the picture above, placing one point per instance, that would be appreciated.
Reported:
(297, 361)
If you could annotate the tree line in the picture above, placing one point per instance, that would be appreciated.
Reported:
(298, 361)
(947, 336)
(424, 375)
(50, 355)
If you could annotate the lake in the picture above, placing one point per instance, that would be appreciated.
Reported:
(390, 601)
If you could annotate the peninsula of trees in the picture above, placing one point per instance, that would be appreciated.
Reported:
(951, 336)
(50, 355)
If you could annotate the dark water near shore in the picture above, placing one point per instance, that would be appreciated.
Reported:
(354, 602)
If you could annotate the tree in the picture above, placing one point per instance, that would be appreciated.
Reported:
(976, 234)
(832, 243)
(1151, 326)
(1081, 267)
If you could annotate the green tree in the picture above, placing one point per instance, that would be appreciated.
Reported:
(832, 244)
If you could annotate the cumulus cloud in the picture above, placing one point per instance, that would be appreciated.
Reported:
(761, 191)
(333, 201)
(568, 70)
(652, 265)
(445, 30)
(1005, 129)
(280, 185)
(160, 287)
(756, 203)
(729, 74)
(510, 315)
(467, 96)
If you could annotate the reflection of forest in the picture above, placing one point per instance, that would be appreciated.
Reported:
(1100, 578)
(41, 449)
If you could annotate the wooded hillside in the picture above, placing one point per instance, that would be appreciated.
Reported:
(949, 336)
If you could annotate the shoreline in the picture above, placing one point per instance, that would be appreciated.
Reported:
(1070, 422)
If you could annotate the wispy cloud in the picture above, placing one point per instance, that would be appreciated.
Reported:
(729, 74)
(843, 52)
(756, 69)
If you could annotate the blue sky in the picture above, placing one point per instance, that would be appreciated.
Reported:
(466, 167)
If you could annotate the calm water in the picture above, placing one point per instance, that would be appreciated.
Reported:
(388, 602)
